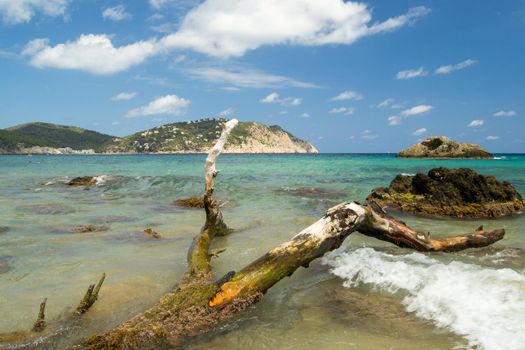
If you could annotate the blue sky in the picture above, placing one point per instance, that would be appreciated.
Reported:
(374, 76)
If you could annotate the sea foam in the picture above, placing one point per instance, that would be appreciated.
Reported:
(485, 306)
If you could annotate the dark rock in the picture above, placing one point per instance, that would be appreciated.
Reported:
(450, 192)
(89, 228)
(3, 229)
(443, 147)
(83, 181)
(150, 233)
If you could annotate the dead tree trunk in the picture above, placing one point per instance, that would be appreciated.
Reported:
(199, 303)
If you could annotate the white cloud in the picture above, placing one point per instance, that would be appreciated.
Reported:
(343, 110)
(411, 73)
(476, 123)
(19, 11)
(505, 114)
(169, 104)
(348, 95)
(34, 46)
(157, 4)
(416, 110)
(124, 96)
(305, 115)
(225, 28)
(394, 120)
(271, 98)
(246, 78)
(117, 13)
(419, 132)
(454, 67)
(275, 98)
(227, 112)
(91, 53)
(386, 103)
(492, 138)
(115, 123)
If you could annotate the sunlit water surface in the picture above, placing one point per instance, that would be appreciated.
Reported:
(366, 295)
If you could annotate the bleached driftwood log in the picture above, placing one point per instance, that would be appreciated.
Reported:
(199, 302)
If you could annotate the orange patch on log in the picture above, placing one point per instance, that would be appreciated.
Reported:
(227, 293)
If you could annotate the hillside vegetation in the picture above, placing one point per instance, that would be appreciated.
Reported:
(51, 135)
(182, 137)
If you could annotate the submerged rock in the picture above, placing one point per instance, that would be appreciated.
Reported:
(4, 264)
(150, 233)
(312, 192)
(89, 228)
(450, 192)
(192, 202)
(46, 209)
(4, 229)
(83, 181)
(443, 147)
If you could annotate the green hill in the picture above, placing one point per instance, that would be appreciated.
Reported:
(199, 135)
(182, 137)
(51, 135)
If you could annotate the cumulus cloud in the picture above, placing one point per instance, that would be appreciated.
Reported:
(476, 123)
(124, 96)
(416, 110)
(348, 95)
(246, 78)
(394, 120)
(505, 114)
(271, 98)
(275, 98)
(116, 13)
(419, 132)
(411, 73)
(454, 67)
(20, 11)
(227, 112)
(169, 104)
(90, 53)
(492, 138)
(226, 28)
(343, 110)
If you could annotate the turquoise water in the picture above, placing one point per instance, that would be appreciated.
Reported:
(366, 295)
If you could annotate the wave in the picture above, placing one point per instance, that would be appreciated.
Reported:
(483, 305)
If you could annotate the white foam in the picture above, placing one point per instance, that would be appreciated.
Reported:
(101, 179)
(485, 306)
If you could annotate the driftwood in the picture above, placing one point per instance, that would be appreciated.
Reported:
(200, 302)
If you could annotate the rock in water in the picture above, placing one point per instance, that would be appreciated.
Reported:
(4, 229)
(443, 147)
(192, 202)
(83, 181)
(450, 192)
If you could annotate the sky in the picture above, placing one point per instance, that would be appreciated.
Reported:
(374, 76)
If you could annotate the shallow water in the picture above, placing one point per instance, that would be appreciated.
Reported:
(366, 295)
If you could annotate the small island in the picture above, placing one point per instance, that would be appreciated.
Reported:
(444, 192)
(443, 147)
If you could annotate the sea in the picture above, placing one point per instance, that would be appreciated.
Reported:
(368, 294)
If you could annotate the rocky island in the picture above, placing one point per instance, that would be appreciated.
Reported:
(183, 137)
(443, 147)
(450, 192)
